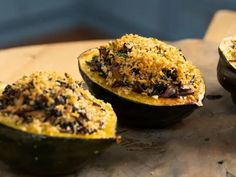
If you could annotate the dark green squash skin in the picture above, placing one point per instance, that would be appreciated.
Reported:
(45, 155)
(136, 114)
(226, 75)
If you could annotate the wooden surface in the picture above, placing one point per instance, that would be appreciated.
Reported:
(194, 147)
(223, 24)
(203, 145)
(59, 57)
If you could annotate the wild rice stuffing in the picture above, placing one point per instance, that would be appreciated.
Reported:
(146, 66)
(49, 100)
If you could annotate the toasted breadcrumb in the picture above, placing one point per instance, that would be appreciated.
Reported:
(147, 66)
(49, 102)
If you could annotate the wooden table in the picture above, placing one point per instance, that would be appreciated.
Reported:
(203, 145)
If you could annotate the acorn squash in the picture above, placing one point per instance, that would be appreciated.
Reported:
(226, 69)
(148, 83)
(50, 125)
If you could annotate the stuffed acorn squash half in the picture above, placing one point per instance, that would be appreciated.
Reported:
(148, 82)
(50, 125)
(226, 69)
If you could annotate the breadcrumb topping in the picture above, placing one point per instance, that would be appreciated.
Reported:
(47, 101)
(147, 66)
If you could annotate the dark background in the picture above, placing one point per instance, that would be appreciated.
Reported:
(43, 21)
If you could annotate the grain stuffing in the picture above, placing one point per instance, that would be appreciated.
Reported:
(146, 66)
(45, 101)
